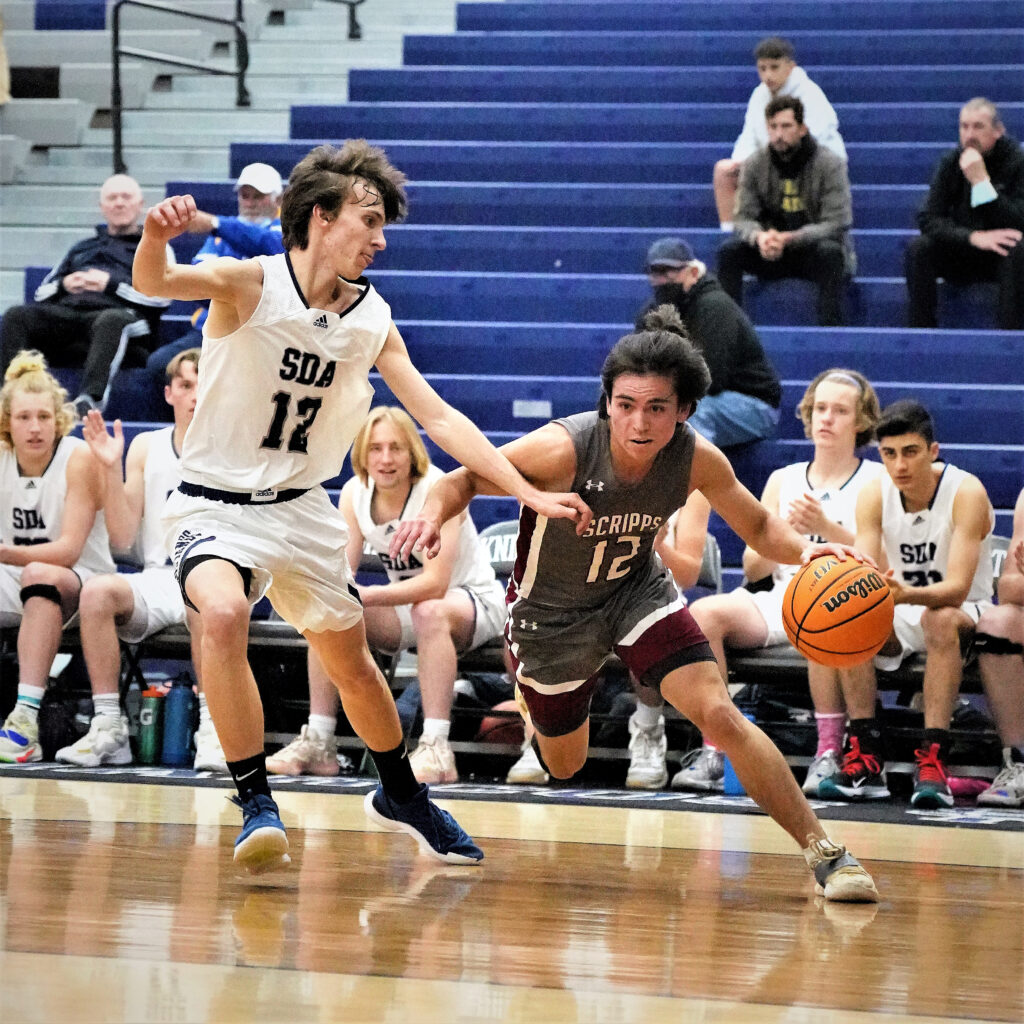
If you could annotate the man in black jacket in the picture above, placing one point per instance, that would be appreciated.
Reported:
(86, 312)
(973, 220)
(742, 403)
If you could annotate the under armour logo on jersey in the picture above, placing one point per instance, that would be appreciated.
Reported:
(321, 321)
(596, 485)
(523, 624)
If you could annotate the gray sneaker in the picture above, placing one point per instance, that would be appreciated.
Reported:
(1007, 789)
(823, 767)
(702, 769)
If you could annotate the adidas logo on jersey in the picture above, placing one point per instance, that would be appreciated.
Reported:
(918, 520)
(30, 486)
(321, 321)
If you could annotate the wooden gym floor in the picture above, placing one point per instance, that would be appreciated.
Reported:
(119, 903)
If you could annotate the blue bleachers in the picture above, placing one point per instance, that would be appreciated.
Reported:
(610, 122)
(873, 47)
(651, 163)
(595, 205)
(781, 16)
(729, 84)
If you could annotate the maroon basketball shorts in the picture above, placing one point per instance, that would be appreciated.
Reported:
(558, 652)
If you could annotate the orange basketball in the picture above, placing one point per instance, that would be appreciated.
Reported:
(502, 728)
(837, 613)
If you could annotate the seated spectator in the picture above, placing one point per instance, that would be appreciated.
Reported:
(999, 642)
(838, 410)
(931, 524)
(132, 606)
(972, 221)
(86, 314)
(256, 231)
(793, 214)
(743, 402)
(53, 537)
(440, 606)
(780, 76)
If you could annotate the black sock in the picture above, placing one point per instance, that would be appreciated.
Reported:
(940, 736)
(1017, 754)
(250, 776)
(395, 773)
(869, 736)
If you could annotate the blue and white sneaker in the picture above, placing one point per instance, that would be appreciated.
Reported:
(262, 845)
(439, 835)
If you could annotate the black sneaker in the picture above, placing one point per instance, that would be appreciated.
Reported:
(862, 777)
(436, 831)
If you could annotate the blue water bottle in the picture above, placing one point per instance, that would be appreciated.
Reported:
(731, 784)
(177, 745)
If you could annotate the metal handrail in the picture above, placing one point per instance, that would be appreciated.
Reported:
(242, 98)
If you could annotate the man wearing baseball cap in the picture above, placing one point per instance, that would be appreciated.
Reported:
(742, 403)
(256, 231)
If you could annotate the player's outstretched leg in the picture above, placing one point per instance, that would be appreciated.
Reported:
(438, 834)
(262, 845)
(837, 875)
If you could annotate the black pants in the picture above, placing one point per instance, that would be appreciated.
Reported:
(822, 262)
(927, 260)
(99, 342)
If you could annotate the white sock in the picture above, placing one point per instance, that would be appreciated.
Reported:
(726, 225)
(436, 729)
(646, 717)
(322, 725)
(30, 697)
(107, 704)
(204, 711)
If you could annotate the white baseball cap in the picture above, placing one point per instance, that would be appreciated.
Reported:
(261, 177)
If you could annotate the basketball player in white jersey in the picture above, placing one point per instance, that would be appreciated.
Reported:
(931, 525)
(123, 606)
(52, 534)
(452, 603)
(818, 498)
(575, 598)
(287, 351)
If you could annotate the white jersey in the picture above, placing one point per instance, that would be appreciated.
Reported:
(917, 543)
(839, 504)
(32, 507)
(281, 399)
(472, 568)
(161, 474)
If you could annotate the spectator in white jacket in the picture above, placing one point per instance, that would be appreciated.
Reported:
(780, 76)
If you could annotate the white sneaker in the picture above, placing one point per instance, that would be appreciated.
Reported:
(527, 771)
(433, 762)
(106, 742)
(1007, 789)
(209, 752)
(822, 767)
(648, 747)
(837, 875)
(19, 738)
(701, 769)
(308, 754)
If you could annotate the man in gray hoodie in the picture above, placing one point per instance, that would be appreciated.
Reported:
(794, 211)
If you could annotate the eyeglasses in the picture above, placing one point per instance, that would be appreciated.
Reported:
(663, 271)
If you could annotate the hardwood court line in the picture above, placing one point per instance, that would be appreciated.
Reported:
(129, 991)
(66, 799)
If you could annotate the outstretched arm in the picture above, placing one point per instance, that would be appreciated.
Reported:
(545, 457)
(450, 429)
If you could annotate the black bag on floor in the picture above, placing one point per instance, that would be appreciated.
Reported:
(62, 720)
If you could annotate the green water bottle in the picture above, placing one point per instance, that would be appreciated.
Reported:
(151, 726)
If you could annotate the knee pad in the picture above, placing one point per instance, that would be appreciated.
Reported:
(47, 591)
(985, 643)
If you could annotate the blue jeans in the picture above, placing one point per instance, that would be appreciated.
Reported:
(157, 362)
(731, 417)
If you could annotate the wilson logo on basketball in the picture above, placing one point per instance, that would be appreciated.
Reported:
(859, 588)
